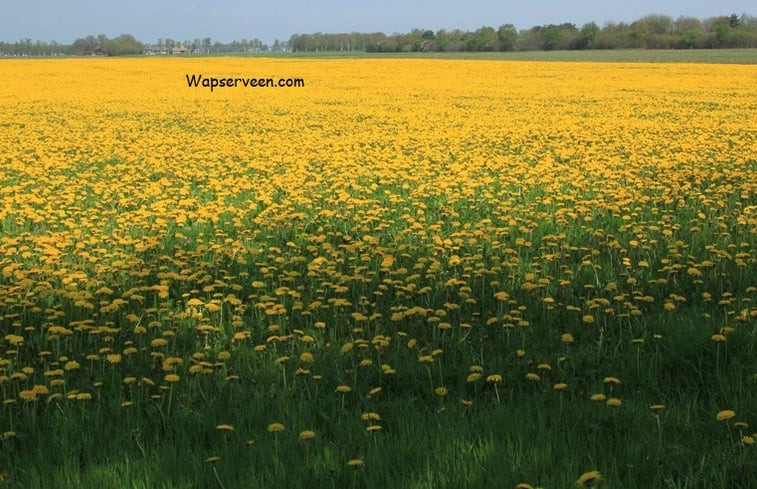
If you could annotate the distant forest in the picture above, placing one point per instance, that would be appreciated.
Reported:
(649, 32)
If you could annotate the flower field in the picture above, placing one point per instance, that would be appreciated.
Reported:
(405, 273)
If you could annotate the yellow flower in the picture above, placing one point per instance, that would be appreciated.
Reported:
(725, 415)
(306, 357)
(171, 378)
(614, 402)
(598, 397)
(355, 462)
(275, 427)
(657, 407)
(494, 378)
(532, 376)
(28, 395)
(225, 427)
(590, 478)
(560, 386)
(71, 365)
(343, 388)
(306, 435)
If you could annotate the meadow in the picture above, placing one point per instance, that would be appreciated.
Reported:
(410, 273)
(714, 56)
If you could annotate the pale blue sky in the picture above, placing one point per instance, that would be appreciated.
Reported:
(226, 20)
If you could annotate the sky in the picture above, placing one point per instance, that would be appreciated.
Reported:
(227, 20)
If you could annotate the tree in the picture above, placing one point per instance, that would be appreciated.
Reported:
(507, 37)
(125, 44)
(586, 36)
(652, 31)
(690, 32)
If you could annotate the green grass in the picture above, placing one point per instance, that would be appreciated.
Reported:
(480, 434)
(519, 431)
(736, 56)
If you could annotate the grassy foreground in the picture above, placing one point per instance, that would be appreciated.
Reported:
(409, 273)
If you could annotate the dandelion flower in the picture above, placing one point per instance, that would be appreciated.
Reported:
(275, 427)
(588, 479)
(473, 377)
(614, 402)
(725, 415)
(113, 358)
(306, 435)
(306, 357)
(225, 427)
(71, 365)
(355, 462)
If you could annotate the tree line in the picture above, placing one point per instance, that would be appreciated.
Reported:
(649, 32)
(127, 44)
